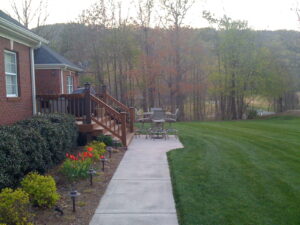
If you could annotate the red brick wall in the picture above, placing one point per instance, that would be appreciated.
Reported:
(14, 109)
(47, 81)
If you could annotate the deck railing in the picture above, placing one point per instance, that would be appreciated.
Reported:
(106, 111)
(119, 106)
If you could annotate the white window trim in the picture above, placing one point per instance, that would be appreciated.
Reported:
(12, 74)
(70, 77)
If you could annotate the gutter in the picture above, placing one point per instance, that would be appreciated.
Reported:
(57, 66)
(33, 81)
(20, 31)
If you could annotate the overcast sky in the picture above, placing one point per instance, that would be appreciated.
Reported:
(260, 14)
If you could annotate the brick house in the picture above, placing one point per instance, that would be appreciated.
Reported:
(17, 74)
(27, 68)
(54, 73)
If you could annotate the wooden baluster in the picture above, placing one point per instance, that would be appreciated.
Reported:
(123, 128)
(104, 93)
(79, 106)
(38, 104)
(87, 103)
(57, 101)
(132, 118)
(73, 103)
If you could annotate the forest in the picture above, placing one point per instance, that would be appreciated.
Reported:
(222, 72)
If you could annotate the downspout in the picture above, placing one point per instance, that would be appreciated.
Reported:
(33, 81)
(62, 80)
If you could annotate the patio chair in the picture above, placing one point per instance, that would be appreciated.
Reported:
(142, 118)
(172, 118)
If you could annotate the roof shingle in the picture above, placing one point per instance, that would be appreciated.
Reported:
(45, 55)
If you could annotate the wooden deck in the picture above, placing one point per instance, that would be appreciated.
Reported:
(95, 114)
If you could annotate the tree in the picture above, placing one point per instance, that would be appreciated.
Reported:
(176, 11)
(30, 13)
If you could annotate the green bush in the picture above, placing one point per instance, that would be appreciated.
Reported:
(106, 139)
(14, 207)
(252, 114)
(41, 189)
(11, 158)
(35, 150)
(59, 131)
(35, 144)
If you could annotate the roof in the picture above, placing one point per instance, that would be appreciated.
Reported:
(10, 27)
(47, 57)
(10, 19)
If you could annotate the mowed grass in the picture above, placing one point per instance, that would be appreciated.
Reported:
(242, 172)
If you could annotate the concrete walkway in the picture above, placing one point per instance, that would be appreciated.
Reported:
(140, 192)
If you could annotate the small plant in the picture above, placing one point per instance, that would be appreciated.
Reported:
(107, 140)
(14, 207)
(97, 148)
(41, 189)
(76, 167)
(252, 114)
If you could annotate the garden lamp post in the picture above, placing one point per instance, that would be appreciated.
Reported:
(109, 150)
(91, 172)
(103, 159)
(74, 194)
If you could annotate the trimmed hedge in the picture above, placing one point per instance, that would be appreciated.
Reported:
(35, 144)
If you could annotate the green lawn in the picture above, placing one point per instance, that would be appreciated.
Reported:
(243, 172)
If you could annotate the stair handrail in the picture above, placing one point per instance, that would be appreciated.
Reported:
(120, 116)
(129, 110)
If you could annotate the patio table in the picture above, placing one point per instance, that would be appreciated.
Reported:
(157, 130)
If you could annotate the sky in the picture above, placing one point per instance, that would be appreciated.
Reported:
(260, 14)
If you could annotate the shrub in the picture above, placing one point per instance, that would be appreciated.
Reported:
(41, 189)
(106, 139)
(35, 150)
(14, 207)
(59, 131)
(252, 114)
(11, 158)
(76, 167)
(34, 144)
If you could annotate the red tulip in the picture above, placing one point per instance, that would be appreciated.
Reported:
(102, 157)
(90, 149)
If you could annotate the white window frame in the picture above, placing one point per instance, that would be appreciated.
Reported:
(12, 74)
(70, 85)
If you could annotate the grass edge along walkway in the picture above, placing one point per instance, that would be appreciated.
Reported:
(238, 172)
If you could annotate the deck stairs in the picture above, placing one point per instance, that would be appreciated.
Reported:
(95, 114)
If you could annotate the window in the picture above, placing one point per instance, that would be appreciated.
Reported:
(11, 77)
(69, 84)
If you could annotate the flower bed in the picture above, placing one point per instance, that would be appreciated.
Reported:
(89, 198)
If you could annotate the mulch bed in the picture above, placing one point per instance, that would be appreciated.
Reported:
(86, 203)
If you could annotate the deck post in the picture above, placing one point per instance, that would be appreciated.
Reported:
(123, 128)
(104, 93)
(87, 103)
(132, 118)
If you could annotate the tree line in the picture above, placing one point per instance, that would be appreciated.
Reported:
(221, 72)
